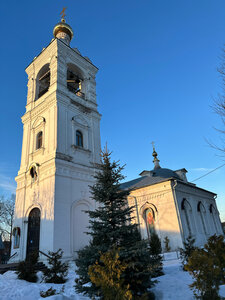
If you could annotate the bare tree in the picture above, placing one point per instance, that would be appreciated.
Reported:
(219, 105)
(6, 216)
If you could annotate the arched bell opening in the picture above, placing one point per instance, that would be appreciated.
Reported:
(43, 81)
(75, 80)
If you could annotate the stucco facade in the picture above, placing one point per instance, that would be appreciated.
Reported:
(56, 171)
(179, 208)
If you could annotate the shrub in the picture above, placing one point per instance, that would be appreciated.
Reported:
(57, 271)
(48, 293)
(207, 266)
(167, 244)
(186, 252)
(155, 252)
(26, 270)
(108, 275)
(51, 292)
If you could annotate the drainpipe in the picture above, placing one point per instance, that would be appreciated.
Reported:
(136, 206)
(178, 211)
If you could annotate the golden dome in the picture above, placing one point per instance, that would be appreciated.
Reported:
(63, 27)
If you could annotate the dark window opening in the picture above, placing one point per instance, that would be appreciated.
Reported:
(43, 81)
(74, 83)
(39, 140)
(33, 173)
(79, 139)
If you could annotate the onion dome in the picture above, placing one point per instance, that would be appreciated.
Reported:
(63, 31)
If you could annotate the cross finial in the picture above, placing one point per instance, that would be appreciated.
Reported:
(153, 145)
(63, 14)
(155, 155)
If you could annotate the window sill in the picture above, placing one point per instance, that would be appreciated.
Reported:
(75, 147)
(37, 152)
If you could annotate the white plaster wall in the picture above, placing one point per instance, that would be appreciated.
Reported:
(195, 195)
(64, 172)
(72, 197)
(160, 198)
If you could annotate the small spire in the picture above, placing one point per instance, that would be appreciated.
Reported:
(155, 160)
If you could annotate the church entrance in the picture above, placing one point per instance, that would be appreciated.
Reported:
(33, 233)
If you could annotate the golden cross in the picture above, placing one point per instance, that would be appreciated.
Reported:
(153, 145)
(63, 13)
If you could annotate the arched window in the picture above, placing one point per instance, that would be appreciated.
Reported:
(43, 81)
(213, 215)
(186, 208)
(202, 212)
(39, 140)
(79, 139)
(16, 235)
(149, 217)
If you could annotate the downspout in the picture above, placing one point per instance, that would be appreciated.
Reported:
(136, 206)
(177, 210)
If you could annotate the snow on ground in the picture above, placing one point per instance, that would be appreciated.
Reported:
(173, 285)
(12, 288)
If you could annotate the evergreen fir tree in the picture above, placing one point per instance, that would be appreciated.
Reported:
(186, 252)
(155, 252)
(27, 270)
(111, 226)
(57, 271)
(167, 244)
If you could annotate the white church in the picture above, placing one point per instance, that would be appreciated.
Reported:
(61, 145)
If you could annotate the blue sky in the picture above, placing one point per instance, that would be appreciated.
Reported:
(157, 79)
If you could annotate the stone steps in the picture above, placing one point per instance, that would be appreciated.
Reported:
(13, 266)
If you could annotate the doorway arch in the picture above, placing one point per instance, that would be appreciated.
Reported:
(33, 232)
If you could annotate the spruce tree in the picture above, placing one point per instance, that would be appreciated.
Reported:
(186, 252)
(155, 252)
(57, 271)
(111, 227)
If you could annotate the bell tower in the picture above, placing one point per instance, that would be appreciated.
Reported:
(60, 149)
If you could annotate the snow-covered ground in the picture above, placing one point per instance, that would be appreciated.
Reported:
(173, 285)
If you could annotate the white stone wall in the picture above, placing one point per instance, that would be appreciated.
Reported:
(160, 198)
(171, 219)
(203, 223)
(65, 171)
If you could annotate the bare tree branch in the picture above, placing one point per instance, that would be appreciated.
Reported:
(6, 216)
